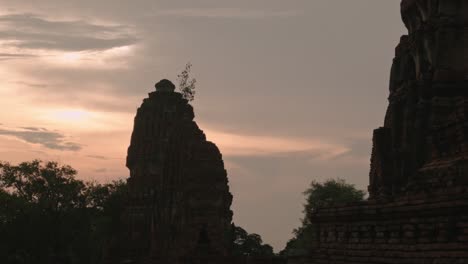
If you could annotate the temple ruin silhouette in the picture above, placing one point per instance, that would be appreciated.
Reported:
(179, 199)
(417, 211)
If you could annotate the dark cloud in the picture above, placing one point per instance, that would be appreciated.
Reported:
(45, 138)
(33, 32)
(12, 56)
(34, 128)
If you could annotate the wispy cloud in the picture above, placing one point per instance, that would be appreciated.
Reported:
(29, 31)
(258, 145)
(12, 56)
(34, 128)
(99, 157)
(32, 85)
(48, 139)
(233, 13)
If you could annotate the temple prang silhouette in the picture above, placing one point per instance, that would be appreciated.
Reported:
(179, 200)
(417, 211)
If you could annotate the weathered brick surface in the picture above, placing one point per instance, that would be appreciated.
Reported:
(430, 231)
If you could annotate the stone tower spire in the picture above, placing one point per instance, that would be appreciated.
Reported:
(424, 135)
(179, 196)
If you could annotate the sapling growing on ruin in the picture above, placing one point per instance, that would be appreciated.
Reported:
(187, 84)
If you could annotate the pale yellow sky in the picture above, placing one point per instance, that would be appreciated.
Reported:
(289, 90)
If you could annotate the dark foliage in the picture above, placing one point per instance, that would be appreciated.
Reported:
(245, 244)
(187, 85)
(48, 216)
(329, 193)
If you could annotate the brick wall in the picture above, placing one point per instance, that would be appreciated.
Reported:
(415, 230)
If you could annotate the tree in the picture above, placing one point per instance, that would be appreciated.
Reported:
(49, 216)
(329, 193)
(245, 244)
(187, 85)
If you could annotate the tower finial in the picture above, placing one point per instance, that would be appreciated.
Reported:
(165, 85)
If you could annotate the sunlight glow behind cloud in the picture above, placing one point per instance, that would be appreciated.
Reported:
(83, 120)
(256, 145)
(110, 59)
(72, 115)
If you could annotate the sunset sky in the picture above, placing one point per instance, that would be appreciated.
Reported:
(290, 91)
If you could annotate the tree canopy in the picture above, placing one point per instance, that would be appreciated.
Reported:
(49, 216)
(329, 193)
(245, 244)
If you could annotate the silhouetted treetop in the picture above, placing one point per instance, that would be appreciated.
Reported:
(48, 216)
(318, 195)
(187, 85)
(245, 244)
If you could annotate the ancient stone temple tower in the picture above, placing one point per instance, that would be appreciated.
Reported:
(179, 199)
(423, 143)
(418, 206)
